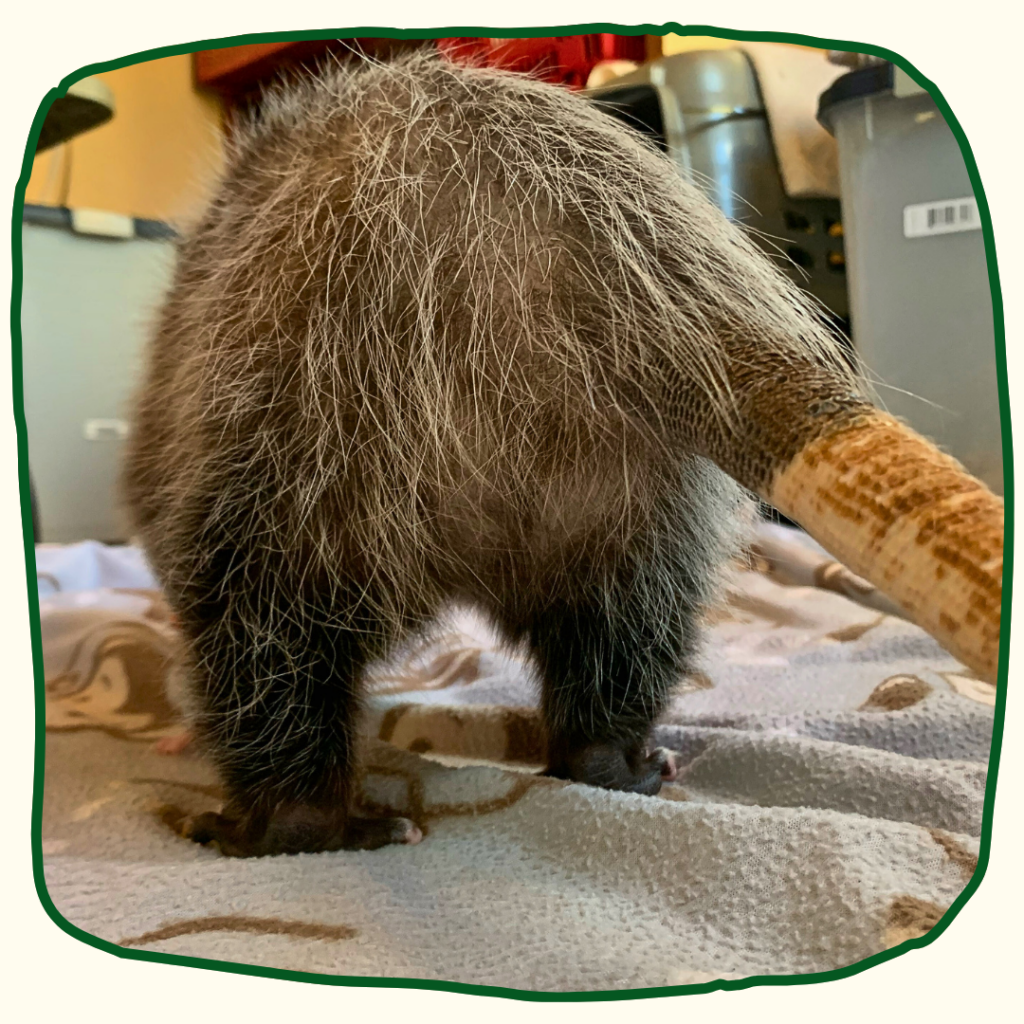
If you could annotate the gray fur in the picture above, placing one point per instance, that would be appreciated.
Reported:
(442, 333)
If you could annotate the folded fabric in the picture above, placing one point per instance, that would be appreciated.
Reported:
(832, 774)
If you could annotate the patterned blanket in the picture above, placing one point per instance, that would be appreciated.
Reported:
(828, 805)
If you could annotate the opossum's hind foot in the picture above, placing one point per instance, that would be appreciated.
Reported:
(669, 769)
(297, 828)
(371, 833)
(610, 766)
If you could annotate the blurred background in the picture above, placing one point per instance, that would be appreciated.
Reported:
(839, 164)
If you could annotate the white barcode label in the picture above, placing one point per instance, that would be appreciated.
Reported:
(941, 218)
(105, 430)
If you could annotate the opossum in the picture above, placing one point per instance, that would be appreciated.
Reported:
(446, 334)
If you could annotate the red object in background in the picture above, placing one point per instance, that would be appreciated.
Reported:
(238, 72)
(565, 60)
(239, 67)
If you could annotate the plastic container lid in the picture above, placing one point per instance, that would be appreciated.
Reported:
(869, 81)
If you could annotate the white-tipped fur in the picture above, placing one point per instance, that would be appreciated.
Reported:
(435, 313)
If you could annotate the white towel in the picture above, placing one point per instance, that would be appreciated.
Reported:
(832, 775)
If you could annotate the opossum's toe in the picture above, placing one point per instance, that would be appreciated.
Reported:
(372, 833)
(669, 770)
(210, 827)
(297, 828)
(610, 767)
(175, 744)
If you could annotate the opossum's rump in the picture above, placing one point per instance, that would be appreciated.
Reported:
(444, 333)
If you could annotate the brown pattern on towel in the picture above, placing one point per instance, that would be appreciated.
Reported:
(205, 789)
(241, 923)
(481, 732)
(758, 608)
(904, 800)
(696, 681)
(850, 634)
(449, 668)
(967, 684)
(376, 794)
(966, 861)
(676, 793)
(797, 566)
(115, 679)
(524, 732)
(510, 735)
(158, 610)
(896, 693)
(415, 805)
(910, 918)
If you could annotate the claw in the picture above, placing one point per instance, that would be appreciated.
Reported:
(610, 767)
(297, 828)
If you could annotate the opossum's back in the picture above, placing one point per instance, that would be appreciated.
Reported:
(417, 206)
(387, 255)
(437, 293)
(473, 235)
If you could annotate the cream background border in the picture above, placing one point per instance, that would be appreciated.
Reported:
(972, 53)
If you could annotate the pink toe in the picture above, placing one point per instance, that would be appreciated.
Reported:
(173, 744)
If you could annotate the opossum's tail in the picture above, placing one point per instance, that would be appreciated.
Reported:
(907, 517)
(647, 297)
(878, 496)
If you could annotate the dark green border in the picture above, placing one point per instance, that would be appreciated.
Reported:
(30, 564)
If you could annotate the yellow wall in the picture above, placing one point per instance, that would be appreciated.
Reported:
(161, 152)
(671, 43)
(157, 157)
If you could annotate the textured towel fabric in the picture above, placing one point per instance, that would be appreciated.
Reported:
(828, 806)
(63, 568)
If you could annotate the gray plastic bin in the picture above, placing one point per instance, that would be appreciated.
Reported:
(704, 108)
(920, 302)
